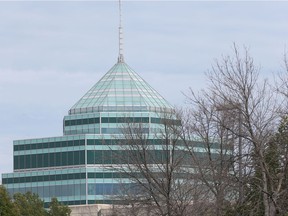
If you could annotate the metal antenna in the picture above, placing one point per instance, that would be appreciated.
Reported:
(121, 44)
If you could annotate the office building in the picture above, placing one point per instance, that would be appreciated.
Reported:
(73, 167)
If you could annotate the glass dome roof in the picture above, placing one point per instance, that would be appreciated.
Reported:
(121, 89)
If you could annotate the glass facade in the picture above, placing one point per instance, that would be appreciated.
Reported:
(73, 167)
(52, 159)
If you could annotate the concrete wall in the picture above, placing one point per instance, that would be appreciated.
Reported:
(89, 210)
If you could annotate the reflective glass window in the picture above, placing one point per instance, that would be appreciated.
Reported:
(90, 142)
(58, 144)
(64, 158)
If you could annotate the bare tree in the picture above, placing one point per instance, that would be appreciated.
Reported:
(234, 81)
(159, 180)
(223, 154)
(282, 85)
(210, 146)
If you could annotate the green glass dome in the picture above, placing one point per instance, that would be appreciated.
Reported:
(121, 89)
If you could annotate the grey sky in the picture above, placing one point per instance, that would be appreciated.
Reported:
(51, 53)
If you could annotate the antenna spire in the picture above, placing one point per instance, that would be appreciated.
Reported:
(121, 55)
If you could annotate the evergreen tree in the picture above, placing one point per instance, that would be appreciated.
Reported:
(58, 209)
(29, 204)
(6, 205)
(277, 158)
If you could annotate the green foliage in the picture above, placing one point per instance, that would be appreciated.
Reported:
(29, 204)
(275, 157)
(281, 139)
(276, 154)
(57, 209)
(277, 149)
(6, 205)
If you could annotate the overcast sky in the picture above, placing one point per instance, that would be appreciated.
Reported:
(51, 53)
